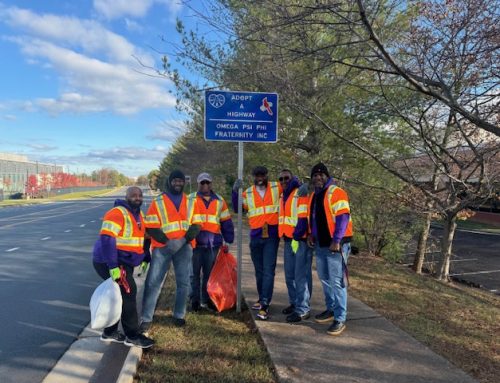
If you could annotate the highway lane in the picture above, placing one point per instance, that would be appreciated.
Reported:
(46, 280)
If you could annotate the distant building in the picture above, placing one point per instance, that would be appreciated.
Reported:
(15, 170)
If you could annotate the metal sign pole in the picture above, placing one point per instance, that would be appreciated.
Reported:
(240, 226)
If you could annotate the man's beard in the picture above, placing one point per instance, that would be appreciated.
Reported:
(135, 205)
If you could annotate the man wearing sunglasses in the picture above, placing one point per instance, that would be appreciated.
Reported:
(217, 226)
(261, 201)
(293, 212)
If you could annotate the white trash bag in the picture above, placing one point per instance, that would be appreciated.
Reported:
(105, 305)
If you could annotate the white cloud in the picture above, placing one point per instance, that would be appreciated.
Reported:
(128, 153)
(169, 131)
(113, 9)
(10, 117)
(89, 36)
(42, 147)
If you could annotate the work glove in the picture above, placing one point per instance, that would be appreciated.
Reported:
(295, 246)
(192, 232)
(237, 184)
(143, 268)
(115, 274)
(303, 190)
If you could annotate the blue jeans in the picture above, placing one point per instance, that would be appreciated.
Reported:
(298, 275)
(203, 261)
(160, 264)
(264, 252)
(331, 268)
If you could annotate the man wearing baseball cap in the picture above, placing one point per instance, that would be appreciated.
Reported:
(217, 227)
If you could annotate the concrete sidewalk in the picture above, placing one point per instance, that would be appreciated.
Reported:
(371, 349)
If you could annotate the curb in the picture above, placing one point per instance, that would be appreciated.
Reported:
(129, 368)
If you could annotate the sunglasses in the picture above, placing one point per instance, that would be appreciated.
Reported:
(205, 182)
(286, 178)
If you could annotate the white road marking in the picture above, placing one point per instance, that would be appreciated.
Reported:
(82, 225)
(93, 220)
(452, 260)
(67, 231)
(493, 291)
(477, 272)
(45, 238)
(13, 249)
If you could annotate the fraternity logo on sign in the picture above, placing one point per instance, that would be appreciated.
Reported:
(241, 116)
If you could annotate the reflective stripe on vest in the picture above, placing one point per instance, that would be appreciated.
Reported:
(202, 215)
(167, 226)
(127, 239)
(253, 210)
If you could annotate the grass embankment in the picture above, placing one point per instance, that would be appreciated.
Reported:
(478, 226)
(210, 348)
(62, 197)
(460, 323)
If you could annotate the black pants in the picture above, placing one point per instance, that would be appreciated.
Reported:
(130, 322)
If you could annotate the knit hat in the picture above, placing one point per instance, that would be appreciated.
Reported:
(259, 170)
(320, 168)
(176, 174)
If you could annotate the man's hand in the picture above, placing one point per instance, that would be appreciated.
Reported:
(303, 190)
(192, 232)
(310, 240)
(237, 184)
(115, 274)
(335, 247)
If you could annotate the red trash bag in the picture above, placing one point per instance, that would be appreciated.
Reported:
(221, 285)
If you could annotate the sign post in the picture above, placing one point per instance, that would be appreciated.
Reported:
(241, 117)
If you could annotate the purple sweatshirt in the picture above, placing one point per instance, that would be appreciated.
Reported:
(105, 250)
(209, 239)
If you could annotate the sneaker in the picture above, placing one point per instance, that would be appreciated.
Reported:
(256, 306)
(336, 328)
(324, 317)
(288, 310)
(179, 322)
(204, 306)
(263, 313)
(294, 317)
(144, 327)
(140, 340)
(211, 306)
(115, 337)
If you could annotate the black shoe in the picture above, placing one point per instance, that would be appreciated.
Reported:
(294, 317)
(195, 306)
(324, 317)
(336, 328)
(179, 322)
(288, 310)
(115, 337)
(263, 313)
(144, 327)
(139, 341)
(211, 306)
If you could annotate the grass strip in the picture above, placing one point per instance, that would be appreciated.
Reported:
(210, 348)
(458, 322)
(62, 197)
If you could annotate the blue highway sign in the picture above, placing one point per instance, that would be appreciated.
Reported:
(241, 116)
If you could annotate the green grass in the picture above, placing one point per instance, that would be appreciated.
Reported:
(458, 322)
(471, 225)
(62, 197)
(210, 348)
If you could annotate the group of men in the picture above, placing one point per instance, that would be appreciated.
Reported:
(188, 231)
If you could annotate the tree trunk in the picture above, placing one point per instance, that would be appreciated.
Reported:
(418, 262)
(450, 225)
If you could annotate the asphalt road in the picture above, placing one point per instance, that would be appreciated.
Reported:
(46, 280)
(475, 260)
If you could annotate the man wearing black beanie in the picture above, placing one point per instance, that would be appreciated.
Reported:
(330, 226)
(169, 216)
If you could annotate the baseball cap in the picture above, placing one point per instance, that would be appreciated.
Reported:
(204, 177)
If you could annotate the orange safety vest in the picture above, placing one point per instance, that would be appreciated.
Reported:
(162, 214)
(262, 211)
(336, 202)
(211, 216)
(290, 212)
(121, 224)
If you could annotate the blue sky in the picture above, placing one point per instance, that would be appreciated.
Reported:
(72, 89)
